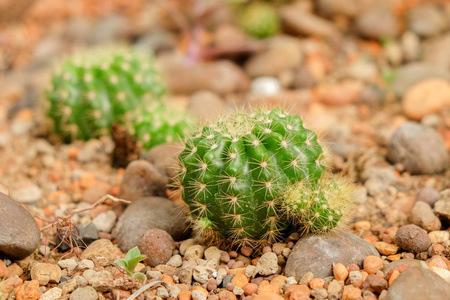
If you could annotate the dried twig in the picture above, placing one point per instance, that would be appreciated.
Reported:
(146, 287)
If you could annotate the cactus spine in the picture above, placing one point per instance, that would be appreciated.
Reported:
(243, 178)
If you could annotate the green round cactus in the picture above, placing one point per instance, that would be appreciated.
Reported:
(95, 88)
(238, 177)
(260, 20)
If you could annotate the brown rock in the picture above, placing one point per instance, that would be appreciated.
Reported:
(385, 248)
(351, 293)
(428, 195)
(426, 97)
(3, 269)
(250, 288)
(422, 215)
(93, 194)
(29, 290)
(340, 272)
(205, 106)
(101, 252)
(19, 234)
(227, 295)
(316, 283)
(8, 285)
(343, 93)
(412, 239)
(164, 158)
(157, 245)
(142, 179)
(375, 284)
(45, 273)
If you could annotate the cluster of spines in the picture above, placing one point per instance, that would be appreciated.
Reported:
(233, 173)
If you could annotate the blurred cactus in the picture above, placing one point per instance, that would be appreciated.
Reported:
(260, 20)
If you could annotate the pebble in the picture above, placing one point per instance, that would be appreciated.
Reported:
(250, 288)
(442, 207)
(378, 179)
(220, 76)
(163, 157)
(52, 294)
(205, 106)
(20, 234)
(86, 235)
(104, 222)
(227, 295)
(440, 236)
(340, 272)
(316, 283)
(175, 261)
(375, 284)
(28, 290)
(418, 283)
(157, 245)
(427, 19)
(194, 252)
(372, 264)
(102, 252)
(434, 51)
(410, 44)
(3, 269)
(84, 293)
(267, 264)
(282, 53)
(423, 216)
(442, 272)
(302, 22)
(198, 295)
(69, 264)
(45, 273)
(425, 98)
(412, 239)
(414, 263)
(27, 194)
(265, 86)
(428, 195)
(342, 93)
(351, 293)
(410, 74)
(334, 287)
(147, 213)
(318, 253)
(421, 150)
(202, 274)
(376, 23)
(385, 248)
(142, 179)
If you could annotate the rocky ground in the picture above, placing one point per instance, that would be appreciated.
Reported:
(371, 76)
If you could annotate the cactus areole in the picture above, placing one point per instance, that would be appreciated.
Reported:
(241, 178)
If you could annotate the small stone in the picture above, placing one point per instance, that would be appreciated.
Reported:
(307, 277)
(362, 225)
(93, 194)
(440, 236)
(226, 295)
(198, 295)
(319, 294)
(314, 253)
(412, 239)
(238, 291)
(147, 213)
(28, 290)
(426, 97)
(334, 287)
(101, 252)
(104, 222)
(351, 293)
(157, 245)
(375, 284)
(428, 195)
(203, 273)
(206, 105)
(267, 264)
(52, 294)
(418, 283)
(422, 215)
(265, 86)
(45, 273)
(442, 272)
(421, 150)
(185, 295)
(442, 207)
(240, 280)
(340, 272)
(372, 264)
(385, 248)
(354, 276)
(175, 261)
(84, 293)
(250, 288)
(27, 194)
(377, 22)
(427, 19)
(69, 264)
(316, 283)
(194, 252)
(3, 269)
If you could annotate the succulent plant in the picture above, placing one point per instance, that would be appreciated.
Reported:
(260, 20)
(96, 88)
(252, 179)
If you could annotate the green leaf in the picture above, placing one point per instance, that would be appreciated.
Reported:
(132, 263)
(132, 253)
(122, 263)
(139, 276)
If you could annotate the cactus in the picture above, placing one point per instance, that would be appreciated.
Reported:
(254, 179)
(95, 88)
(260, 20)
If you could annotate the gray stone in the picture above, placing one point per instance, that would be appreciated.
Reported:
(109, 29)
(418, 284)
(165, 158)
(147, 213)
(378, 179)
(19, 234)
(408, 75)
(265, 86)
(442, 207)
(104, 222)
(84, 293)
(376, 23)
(420, 149)
(142, 179)
(427, 19)
(318, 254)
(27, 194)
(428, 195)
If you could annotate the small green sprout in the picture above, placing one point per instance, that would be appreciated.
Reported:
(132, 258)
